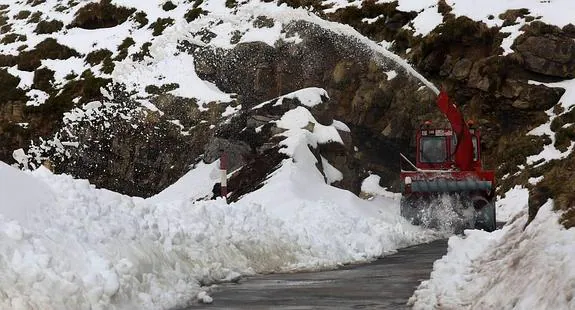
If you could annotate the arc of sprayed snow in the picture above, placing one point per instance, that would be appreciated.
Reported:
(286, 15)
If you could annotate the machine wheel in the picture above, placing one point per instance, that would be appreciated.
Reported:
(485, 218)
(408, 210)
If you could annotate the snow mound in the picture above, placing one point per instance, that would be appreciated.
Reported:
(515, 201)
(23, 196)
(509, 268)
(195, 185)
(370, 185)
(89, 248)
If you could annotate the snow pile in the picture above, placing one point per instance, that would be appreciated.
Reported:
(195, 185)
(88, 248)
(370, 185)
(509, 268)
(515, 201)
(22, 197)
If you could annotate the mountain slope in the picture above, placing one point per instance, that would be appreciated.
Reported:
(139, 97)
(164, 252)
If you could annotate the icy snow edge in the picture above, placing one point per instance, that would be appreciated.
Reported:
(523, 269)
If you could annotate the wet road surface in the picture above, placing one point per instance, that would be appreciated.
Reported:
(383, 284)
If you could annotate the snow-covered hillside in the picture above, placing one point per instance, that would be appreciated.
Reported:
(147, 56)
(64, 244)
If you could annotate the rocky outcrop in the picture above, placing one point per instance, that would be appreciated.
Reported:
(465, 56)
(547, 50)
(132, 150)
(236, 152)
(373, 95)
(262, 134)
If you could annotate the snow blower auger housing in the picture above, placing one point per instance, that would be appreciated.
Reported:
(448, 165)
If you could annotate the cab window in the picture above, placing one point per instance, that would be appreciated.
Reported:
(433, 149)
(473, 140)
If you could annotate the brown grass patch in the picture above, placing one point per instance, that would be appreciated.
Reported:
(45, 27)
(101, 15)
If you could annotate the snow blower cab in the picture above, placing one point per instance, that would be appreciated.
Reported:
(447, 183)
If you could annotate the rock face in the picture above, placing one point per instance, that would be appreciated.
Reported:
(547, 50)
(380, 102)
(494, 90)
(376, 98)
(134, 151)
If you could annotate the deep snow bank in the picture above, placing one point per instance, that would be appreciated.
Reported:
(22, 197)
(90, 248)
(95, 249)
(507, 269)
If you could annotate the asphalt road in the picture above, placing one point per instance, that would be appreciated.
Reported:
(384, 284)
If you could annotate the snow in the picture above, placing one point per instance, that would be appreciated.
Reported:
(567, 101)
(22, 196)
(62, 68)
(203, 297)
(181, 71)
(413, 5)
(516, 267)
(554, 12)
(297, 123)
(150, 106)
(331, 173)
(231, 110)
(514, 32)
(66, 245)
(341, 126)
(370, 185)
(427, 20)
(37, 97)
(194, 185)
(309, 97)
(535, 180)
(369, 20)
(516, 200)
(26, 78)
(338, 4)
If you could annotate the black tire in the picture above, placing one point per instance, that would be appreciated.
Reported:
(486, 218)
(408, 210)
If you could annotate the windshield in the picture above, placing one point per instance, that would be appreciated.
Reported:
(433, 149)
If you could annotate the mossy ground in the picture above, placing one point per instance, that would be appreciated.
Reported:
(46, 27)
(101, 14)
(193, 14)
(160, 24)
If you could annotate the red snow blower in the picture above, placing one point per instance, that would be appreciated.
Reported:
(448, 167)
